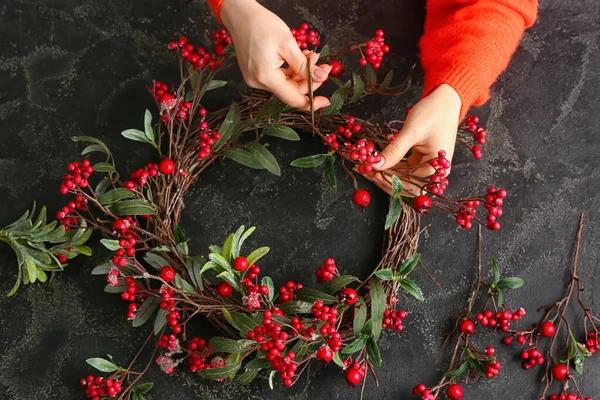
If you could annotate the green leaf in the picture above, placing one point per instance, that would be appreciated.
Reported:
(102, 186)
(378, 302)
(371, 75)
(104, 167)
(500, 299)
(226, 251)
(270, 109)
(228, 345)
(271, 376)
(155, 261)
(194, 265)
(394, 213)
(143, 388)
(148, 131)
(265, 158)
(132, 207)
(90, 139)
(312, 295)
(243, 157)
(215, 84)
(338, 282)
(229, 277)
(221, 261)
(360, 316)
(237, 246)
(510, 283)
(31, 269)
(373, 352)
(145, 311)
(93, 148)
(137, 136)
(258, 364)
(495, 272)
(102, 269)
(120, 288)
(41, 275)
(397, 185)
(219, 373)
(385, 274)
(412, 288)
(409, 265)
(102, 365)
(386, 81)
(268, 282)
(367, 328)
(281, 131)
(337, 100)
(257, 254)
(247, 377)
(160, 320)
(358, 344)
(324, 51)
(85, 250)
(296, 307)
(359, 87)
(338, 361)
(476, 367)
(310, 161)
(458, 371)
(110, 244)
(184, 285)
(229, 125)
(244, 323)
(330, 175)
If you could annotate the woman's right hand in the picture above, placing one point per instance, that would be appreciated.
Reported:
(263, 43)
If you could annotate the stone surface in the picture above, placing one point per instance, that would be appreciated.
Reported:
(81, 67)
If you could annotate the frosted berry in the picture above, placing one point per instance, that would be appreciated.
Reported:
(336, 68)
(422, 204)
(167, 273)
(547, 329)
(454, 392)
(348, 296)
(467, 327)
(166, 166)
(361, 198)
(224, 289)
(240, 264)
(560, 372)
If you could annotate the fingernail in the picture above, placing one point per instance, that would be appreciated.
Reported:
(379, 164)
(319, 73)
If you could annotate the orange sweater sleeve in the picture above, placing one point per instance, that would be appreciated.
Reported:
(215, 5)
(468, 43)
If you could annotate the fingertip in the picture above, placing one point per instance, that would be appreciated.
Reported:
(379, 165)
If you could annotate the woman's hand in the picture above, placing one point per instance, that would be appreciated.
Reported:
(431, 126)
(263, 43)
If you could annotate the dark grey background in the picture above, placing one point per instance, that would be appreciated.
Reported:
(81, 67)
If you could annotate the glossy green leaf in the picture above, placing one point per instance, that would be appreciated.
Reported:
(510, 283)
(239, 237)
(102, 186)
(296, 307)
(148, 131)
(143, 388)
(258, 364)
(228, 345)
(409, 265)
(257, 255)
(357, 345)
(495, 272)
(244, 323)
(248, 376)
(160, 320)
(281, 131)
(330, 175)
(92, 148)
(371, 75)
(215, 84)
(104, 167)
(102, 365)
(229, 125)
(219, 373)
(268, 282)
(324, 51)
(338, 282)
(310, 161)
(155, 261)
(133, 207)
(91, 139)
(373, 352)
(412, 288)
(265, 158)
(458, 371)
(386, 81)
(137, 136)
(102, 269)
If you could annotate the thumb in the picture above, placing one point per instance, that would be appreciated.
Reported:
(297, 61)
(395, 150)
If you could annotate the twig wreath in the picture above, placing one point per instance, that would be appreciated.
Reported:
(266, 331)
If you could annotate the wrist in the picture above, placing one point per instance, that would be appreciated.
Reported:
(448, 98)
(231, 9)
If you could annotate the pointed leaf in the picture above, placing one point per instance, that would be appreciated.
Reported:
(500, 300)
(360, 316)
(145, 311)
(394, 213)
(148, 131)
(409, 265)
(495, 272)
(324, 51)
(239, 239)
(337, 100)
(378, 303)
(265, 158)
(385, 274)
(386, 81)
(229, 125)
(93, 148)
(243, 322)
(268, 282)
(110, 244)
(102, 186)
(312, 295)
(310, 161)
(258, 364)
(132, 207)
(90, 139)
(219, 373)
(338, 282)
(102, 365)
(359, 87)
(458, 371)
(330, 175)
(243, 157)
(257, 254)
(102, 269)
(373, 352)
(412, 288)
(143, 388)
(281, 131)
(228, 345)
(215, 84)
(247, 377)
(371, 75)
(510, 283)
(358, 344)
(296, 307)
(226, 252)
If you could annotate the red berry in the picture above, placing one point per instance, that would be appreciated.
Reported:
(121, 225)
(348, 296)
(167, 273)
(325, 353)
(219, 49)
(560, 372)
(361, 198)
(467, 327)
(224, 289)
(454, 391)
(166, 166)
(353, 376)
(422, 204)
(240, 264)
(547, 329)
(418, 389)
(336, 68)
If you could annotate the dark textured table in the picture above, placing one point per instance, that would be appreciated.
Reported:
(81, 67)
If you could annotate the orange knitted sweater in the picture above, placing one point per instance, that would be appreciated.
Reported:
(467, 43)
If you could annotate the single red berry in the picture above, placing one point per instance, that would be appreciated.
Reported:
(224, 289)
(560, 372)
(422, 204)
(361, 198)
(420, 388)
(219, 49)
(353, 376)
(120, 225)
(336, 68)
(240, 264)
(167, 273)
(348, 296)
(547, 329)
(166, 166)
(467, 327)
(325, 353)
(454, 391)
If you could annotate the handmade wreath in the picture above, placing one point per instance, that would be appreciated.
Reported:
(268, 331)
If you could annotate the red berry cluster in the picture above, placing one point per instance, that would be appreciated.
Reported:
(393, 319)
(327, 271)
(221, 40)
(199, 351)
(438, 181)
(197, 57)
(305, 36)
(363, 153)
(141, 176)
(478, 132)
(67, 217)
(78, 175)
(285, 365)
(127, 240)
(355, 374)
(567, 396)
(251, 287)
(170, 343)
(130, 293)
(592, 344)
(301, 328)
(421, 390)
(500, 319)
(98, 387)
(208, 137)
(327, 330)
(325, 353)
(376, 49)
(492, 369)
(493, 202)
(347, 130)
(531, 357)
(286, 293)
(269, 335)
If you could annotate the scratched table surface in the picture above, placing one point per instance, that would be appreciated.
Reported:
(82, 67)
